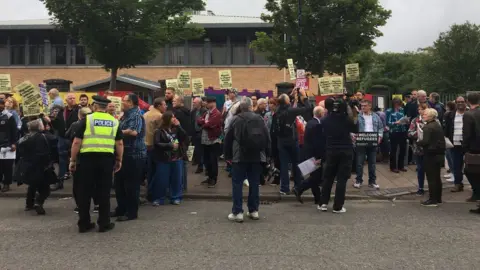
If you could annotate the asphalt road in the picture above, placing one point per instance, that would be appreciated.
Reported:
(197, 235)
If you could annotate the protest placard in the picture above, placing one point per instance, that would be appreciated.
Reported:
(225, 77)
(32, 110)
(302, 83)
(118, 103)
(337, 85)
(198, 89)
(300, 73)
(291, 69)
(183, 79)
(324, 86)
(352, 72)
(173, 83)
(30, 93)
(5, 83)
(366, 139)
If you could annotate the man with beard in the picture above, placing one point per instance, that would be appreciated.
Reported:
(169, 96)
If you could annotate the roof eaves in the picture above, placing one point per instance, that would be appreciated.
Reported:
(138, 82)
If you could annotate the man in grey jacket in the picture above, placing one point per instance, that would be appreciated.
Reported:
(246, 159)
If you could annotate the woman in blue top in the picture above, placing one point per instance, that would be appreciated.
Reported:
(12, 106)
(398, 128)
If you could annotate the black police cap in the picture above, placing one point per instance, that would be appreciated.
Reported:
(101, 100)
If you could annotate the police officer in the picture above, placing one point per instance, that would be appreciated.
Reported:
(96, 139)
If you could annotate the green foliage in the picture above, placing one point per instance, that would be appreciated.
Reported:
(330, 31)
(122, 33)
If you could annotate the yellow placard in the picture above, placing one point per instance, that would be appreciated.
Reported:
(352, 72)
(32, 110)
(337, 85)
(324, 86)
(118, 103)
(173, 83)
(198, 89)
(291, 69)
(183, 79)
(225, 77)
(30, 93)
(5, 83)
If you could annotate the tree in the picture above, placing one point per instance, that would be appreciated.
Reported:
(329, 31)
(453, 63)
(122, 33)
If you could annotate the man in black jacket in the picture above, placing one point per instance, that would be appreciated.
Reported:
(313, 147)
(287, 139)
(338, 126)
(471, 145)
(183, 116)
(8, 139)
(57, 120)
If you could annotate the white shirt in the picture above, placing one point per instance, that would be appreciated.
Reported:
(368, 122)
(457, 129)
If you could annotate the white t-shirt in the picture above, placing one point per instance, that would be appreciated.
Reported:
(368, 122)
(458, 129)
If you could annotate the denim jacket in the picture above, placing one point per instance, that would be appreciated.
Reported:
(377, 124)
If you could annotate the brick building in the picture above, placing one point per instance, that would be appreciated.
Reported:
(34, 50)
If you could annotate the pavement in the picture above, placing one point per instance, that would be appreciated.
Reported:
(197, 235)
(392, 185)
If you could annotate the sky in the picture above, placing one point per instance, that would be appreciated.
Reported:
(414, 24)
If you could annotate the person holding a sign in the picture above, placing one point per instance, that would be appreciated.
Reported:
(398, 125)
(370, 128)
(8, 139)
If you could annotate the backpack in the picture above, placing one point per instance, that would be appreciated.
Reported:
(252, 137)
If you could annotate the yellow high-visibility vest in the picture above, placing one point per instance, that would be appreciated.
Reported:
(99, 135)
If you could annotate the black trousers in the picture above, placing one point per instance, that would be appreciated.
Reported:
(410, 150)
(43, 189)
(433, 165)
(198, 152)
(127, 186)
(313, 182)
(76, 178)
(210, 156)
(398, 140)
(6, 170)
(337, 165)
(473, 175)
(93, 179)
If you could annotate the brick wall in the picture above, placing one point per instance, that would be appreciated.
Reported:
(262, 78)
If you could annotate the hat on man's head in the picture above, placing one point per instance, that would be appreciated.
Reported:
(211, 99)
(101, 100)
(233, 90)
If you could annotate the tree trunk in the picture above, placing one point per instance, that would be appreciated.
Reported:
(113, 79)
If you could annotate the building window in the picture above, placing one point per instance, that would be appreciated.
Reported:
(17, 55)
(3, 55)
(59, 54)
(239, 53)
(159, 59)
(196, 54)
(77, 55)
(219, 53)
(176, 55)
(37, 54)
(258, 58)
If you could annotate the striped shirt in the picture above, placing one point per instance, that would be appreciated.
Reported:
(457, 129)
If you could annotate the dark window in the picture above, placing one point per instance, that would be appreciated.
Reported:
(159, 59)
(219, 53)
(239, 53)
(176, 55)
(37, 54)
(77, 55)
(195, 53)
(17, 55)
(3, 55)
(258, 58)
(59, 54)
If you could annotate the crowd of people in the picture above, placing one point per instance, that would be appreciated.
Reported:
(262, 140)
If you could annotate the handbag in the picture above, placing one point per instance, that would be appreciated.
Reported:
(448, 143)
(22, 172)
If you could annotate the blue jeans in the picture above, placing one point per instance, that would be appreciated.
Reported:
(253, 171)
(456, 155)
(288, 154)
(420, 171)
(449, 157)
(371, 154)
(168, 175)
(62, 145)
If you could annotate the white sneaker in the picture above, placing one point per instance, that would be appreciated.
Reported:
(357, 185)
(253, 215)
(322, 208)
(448, 175)
(245, 183)
(343, 210)
(375, 186)
(236, 218)
(450, 180)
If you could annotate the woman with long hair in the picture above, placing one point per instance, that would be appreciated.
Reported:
(169, 154)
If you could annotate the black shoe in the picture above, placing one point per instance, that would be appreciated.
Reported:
(212, 184)
(6, 188)
(475, 211)
(90, 227)
(95, 209)
(199, 170)
(115, 214)
(420, 192)
(57, 186)
(298, 195)
(28, 208)
(124, 218)
(430, 203)
(75, 210)
(107, 228)
(39, 209)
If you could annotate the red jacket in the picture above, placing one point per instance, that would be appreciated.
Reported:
(214, 124)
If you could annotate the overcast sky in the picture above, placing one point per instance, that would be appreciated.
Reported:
(414, 23)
